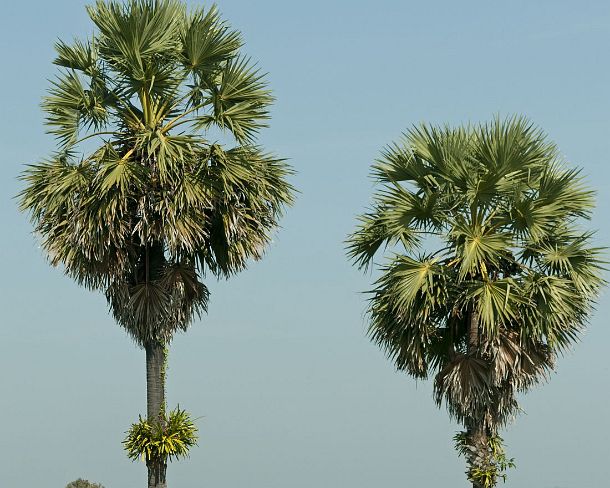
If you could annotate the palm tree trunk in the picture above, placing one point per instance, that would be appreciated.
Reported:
(473, 332)
(155, 405)
(477, 437)
(477, 434)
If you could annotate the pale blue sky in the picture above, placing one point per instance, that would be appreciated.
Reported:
(290, 391)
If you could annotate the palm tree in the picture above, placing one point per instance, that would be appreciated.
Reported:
(510, 284)
(140, 201)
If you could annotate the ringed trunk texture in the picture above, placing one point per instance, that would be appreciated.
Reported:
(155, 405)
(477, 433)
(473, 332)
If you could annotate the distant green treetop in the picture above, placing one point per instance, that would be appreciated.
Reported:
(81, 483)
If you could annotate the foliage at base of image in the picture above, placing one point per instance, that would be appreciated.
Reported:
(169, 439)
(486, 464)
(81, 483)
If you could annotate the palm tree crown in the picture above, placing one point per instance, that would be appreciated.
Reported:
(146, 214)
(513, 278)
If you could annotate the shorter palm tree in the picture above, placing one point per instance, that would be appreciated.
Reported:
(510, 284)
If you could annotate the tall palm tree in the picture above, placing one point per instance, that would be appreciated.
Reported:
(140, 201)
(488, 274)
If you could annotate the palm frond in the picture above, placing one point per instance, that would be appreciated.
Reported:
(81, 56)
(71, 106)
(207, 42)
(240, 100)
